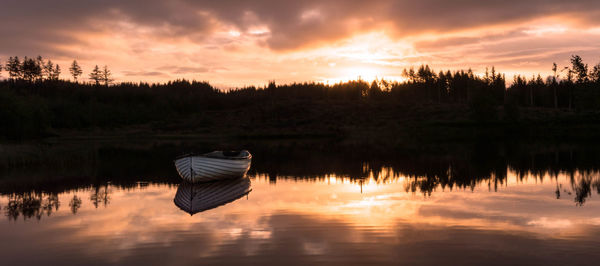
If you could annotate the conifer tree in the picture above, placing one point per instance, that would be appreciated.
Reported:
(48, 69)
(75, 70)
(96, 75)
(579, 68)
(31, 69)
(555, 85)
(13, 67)
(595, 74)
(106, 76)
(56, 73)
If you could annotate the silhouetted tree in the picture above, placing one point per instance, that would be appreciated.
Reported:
(424, 74)
(579, 68)
(595, 73)
(40, 62)
(554, 84)
(410, 74)
(75, 70)
(374, 90)
(31, 69)
(13, 67)
(441, 87)
(96, 75)
(55, 73)
(106, 76)
(569, 84)
(272, 85)
(48, 69)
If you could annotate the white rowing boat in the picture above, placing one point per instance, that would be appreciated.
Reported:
(213, 166)
(195, 198)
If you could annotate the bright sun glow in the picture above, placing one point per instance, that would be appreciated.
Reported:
(367, 57)
(358, 73)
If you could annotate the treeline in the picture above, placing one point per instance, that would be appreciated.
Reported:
(34, 108)
(39, 69)
(572, 87)
(36, 101)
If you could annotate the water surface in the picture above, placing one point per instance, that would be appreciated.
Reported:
(336, 208)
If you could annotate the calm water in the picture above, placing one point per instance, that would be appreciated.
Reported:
(352, 205)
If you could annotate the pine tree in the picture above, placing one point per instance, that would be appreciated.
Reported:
(580, 69)
(96, 75)
(48, 69)
(595, 74)
(75, 70)
(55, 73)
(31, 69)
(374, 90)
(106, 76)
(554, 84)
(13, 67)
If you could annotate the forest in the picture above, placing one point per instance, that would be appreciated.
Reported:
(36, 102)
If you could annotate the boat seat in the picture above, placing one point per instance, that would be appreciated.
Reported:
(231, 153)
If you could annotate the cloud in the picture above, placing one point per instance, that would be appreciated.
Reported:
(440, 16)
(291, 24)
(244, 35)
(461, 40)
(143, 73)
(184, 69)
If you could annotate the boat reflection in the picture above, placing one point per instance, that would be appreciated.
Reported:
(195, 198)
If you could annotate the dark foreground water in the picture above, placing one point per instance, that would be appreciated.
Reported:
(309, 203)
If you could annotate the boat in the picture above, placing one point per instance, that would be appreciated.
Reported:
(195, 198)
(217, 165)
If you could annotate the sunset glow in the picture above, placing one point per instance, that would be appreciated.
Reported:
(233, 44)
(311, 132)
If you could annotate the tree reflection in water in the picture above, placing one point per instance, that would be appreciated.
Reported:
(583, 187)
(575, 170)
(37, 204)
(100, 196)
(30, 205)
(582, 184)
(75, 204)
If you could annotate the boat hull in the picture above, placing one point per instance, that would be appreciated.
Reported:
(196, 169)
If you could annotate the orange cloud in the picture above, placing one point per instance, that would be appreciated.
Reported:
(236, 43)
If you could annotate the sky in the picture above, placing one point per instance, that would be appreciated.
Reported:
(233, 43)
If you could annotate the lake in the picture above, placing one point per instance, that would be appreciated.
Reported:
(302, 203)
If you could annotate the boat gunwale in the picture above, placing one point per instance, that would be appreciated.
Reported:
(205, 155)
